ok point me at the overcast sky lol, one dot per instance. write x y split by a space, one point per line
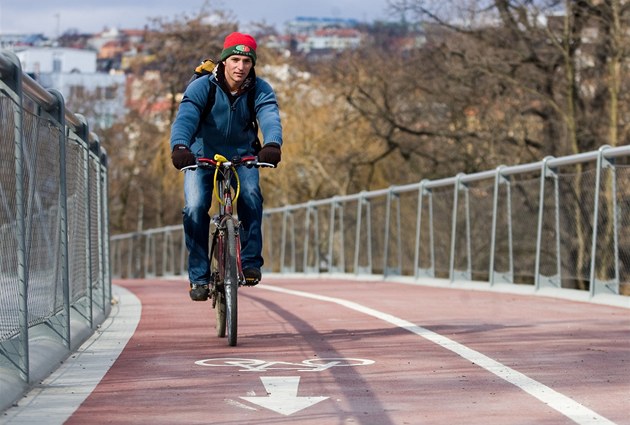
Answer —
52 16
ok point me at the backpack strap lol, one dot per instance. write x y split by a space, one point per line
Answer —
212 94
251 105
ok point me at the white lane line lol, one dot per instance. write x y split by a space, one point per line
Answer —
563 404
54 400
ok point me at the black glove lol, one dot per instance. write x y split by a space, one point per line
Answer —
270 154
182 157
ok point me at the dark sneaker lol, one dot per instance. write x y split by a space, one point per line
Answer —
199 292
252 276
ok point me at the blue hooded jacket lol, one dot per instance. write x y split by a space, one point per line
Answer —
226 130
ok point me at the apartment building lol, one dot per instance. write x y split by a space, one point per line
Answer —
99 96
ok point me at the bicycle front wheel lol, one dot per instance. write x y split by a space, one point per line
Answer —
231 282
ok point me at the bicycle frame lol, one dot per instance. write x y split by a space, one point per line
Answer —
224 190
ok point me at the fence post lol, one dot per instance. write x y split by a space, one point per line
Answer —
95 145
596 286
59 114
307 239
335 207
451 268
83 133
290 233
388 208
16 349
493 232
107 266
357 234
541 206
363 200
416 254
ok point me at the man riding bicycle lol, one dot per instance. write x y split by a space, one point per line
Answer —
227 130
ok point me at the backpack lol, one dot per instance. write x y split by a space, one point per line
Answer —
207 67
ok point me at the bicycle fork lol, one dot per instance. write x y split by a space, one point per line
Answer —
217 249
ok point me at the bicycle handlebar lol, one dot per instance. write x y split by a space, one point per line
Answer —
221 161
221 165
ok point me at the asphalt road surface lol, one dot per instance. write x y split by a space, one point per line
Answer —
333 351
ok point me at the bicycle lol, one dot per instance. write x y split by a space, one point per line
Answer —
225 252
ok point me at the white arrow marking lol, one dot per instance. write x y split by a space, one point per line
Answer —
282 395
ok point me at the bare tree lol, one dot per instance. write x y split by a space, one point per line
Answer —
561 58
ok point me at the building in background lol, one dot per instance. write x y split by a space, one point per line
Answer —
13 41
97 95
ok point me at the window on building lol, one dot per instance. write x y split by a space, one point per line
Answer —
77 92
110 92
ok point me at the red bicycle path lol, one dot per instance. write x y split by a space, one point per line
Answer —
392 353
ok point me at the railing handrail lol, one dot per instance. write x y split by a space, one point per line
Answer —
549 207
505 170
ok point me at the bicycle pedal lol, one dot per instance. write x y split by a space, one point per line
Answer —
251 282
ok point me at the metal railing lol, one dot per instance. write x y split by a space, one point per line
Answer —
55 285
560 223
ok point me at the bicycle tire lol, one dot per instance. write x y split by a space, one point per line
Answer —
220 312
218 302
230 282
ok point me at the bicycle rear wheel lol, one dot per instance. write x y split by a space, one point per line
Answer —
218 294
219 300
230 282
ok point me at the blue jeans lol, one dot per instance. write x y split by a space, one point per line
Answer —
198 186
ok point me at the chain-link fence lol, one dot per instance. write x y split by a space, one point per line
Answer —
55 287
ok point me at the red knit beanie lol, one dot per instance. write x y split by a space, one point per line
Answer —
239 44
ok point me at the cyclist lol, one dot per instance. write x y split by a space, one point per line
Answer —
226 130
